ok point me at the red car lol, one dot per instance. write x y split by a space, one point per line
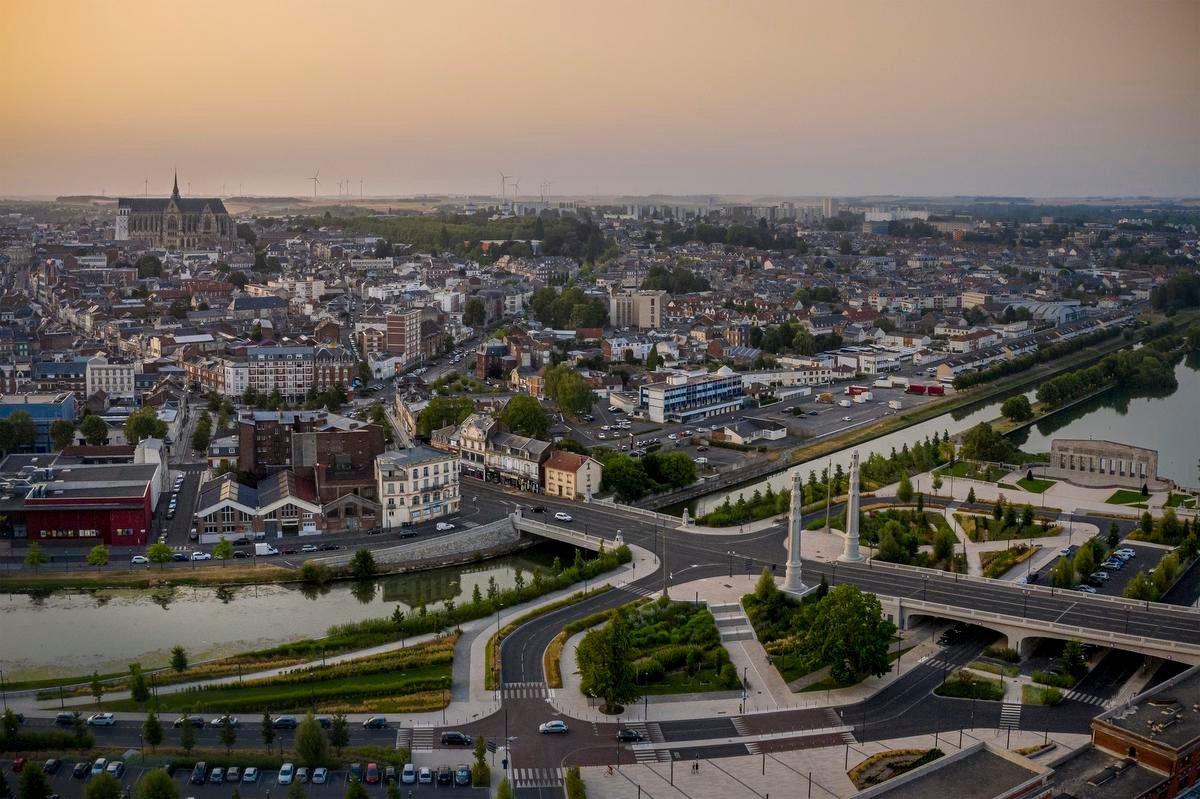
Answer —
18 765
372 773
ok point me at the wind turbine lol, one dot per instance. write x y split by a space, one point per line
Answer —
316 182
339 188
516 192
503 187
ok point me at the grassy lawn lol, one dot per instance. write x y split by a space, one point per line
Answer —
1180 501
679 650
994 668
1040 695
26 685
405 680
987 528
1124 496
965 685
1036 485
999 561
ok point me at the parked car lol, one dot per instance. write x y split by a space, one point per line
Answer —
98 765
1098 577
198 773
137 560
356 772
233 774
462 774
179 557
389 774
562 517
309 548
847 419
217 777
51 766
285 723
287 773
454 738
425 776
18 765
538 508
115 769
445 776
195 721
320 775
552 727
1125 553
198 555
240 554
302 775
250 775
80 771
66 719
408 775
220 720
372 774
101 720
444 526
1087 589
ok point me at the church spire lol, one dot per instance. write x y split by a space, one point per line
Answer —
175 191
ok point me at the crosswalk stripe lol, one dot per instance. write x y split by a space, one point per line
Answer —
1010 716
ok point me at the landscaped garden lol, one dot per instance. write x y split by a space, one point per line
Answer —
1035 485
997 562
1125 496
988 472
967 685
678 650
896 535
883 766
1005 524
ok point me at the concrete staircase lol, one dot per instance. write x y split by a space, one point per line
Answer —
731 621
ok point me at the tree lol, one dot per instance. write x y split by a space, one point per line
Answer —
98 556
152 730
904 491
156 784
97 687
504 791
1017 409
1063 574
1114 535
223 550
1147 524
1141 588
474 313
339 733
362 564
139 689
625 476
971 494
675 469
187 735
310 742
33 784
850 633
267 731
1085 562
568 390
525 416
605 665
356 790
442 412
159 553
179 659
144 424
148 266
62 433
1072 660
652 358
101 786
201 436
35 557
10 724
943 545
228 733
23 431
94 431
937 483
983 443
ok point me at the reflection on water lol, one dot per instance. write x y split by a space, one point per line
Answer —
1167 421
77 632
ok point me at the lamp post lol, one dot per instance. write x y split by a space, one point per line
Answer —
729 552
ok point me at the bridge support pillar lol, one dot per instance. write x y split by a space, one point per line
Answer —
793 581
851 554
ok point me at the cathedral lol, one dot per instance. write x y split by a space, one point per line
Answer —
175 223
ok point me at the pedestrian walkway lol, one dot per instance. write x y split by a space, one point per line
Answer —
422 739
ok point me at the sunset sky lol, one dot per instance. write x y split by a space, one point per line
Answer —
1046 98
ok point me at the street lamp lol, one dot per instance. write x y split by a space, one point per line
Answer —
729 552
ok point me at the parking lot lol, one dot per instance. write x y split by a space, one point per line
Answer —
65 785
1146 559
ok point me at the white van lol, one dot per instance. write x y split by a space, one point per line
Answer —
262 550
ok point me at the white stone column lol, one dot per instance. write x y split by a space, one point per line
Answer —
850 553
792 581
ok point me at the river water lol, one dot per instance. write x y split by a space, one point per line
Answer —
1170 424
69 633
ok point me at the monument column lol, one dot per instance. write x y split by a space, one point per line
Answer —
792 581
850 553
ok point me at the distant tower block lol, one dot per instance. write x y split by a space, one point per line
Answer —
792 581
851 554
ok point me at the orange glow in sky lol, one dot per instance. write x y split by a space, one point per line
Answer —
1047 98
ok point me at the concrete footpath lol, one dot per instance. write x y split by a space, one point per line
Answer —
789 774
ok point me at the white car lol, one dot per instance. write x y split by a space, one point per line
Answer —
250 774
409 775
99 766
562 517
701 461
552 727
672 436
102 720
425 775
310 548
286 772
198 555
1126 553
847 419
444 526
320 774
139 559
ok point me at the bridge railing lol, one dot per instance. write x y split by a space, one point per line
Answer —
665 518
1034 588
527 525
1037 626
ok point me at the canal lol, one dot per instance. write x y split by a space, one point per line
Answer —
69 633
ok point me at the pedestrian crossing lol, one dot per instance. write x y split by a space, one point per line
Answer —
1010 717
404 738
1087 699
642 590
653 733
538 777
525 690
422 739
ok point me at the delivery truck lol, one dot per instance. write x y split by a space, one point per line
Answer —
916 388
883 382
895 405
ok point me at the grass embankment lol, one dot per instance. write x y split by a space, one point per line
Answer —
1124 496
988 473
1035 485
552 659
412 679
994 668
965 685
491 678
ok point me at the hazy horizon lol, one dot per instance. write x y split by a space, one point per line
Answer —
1063 100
